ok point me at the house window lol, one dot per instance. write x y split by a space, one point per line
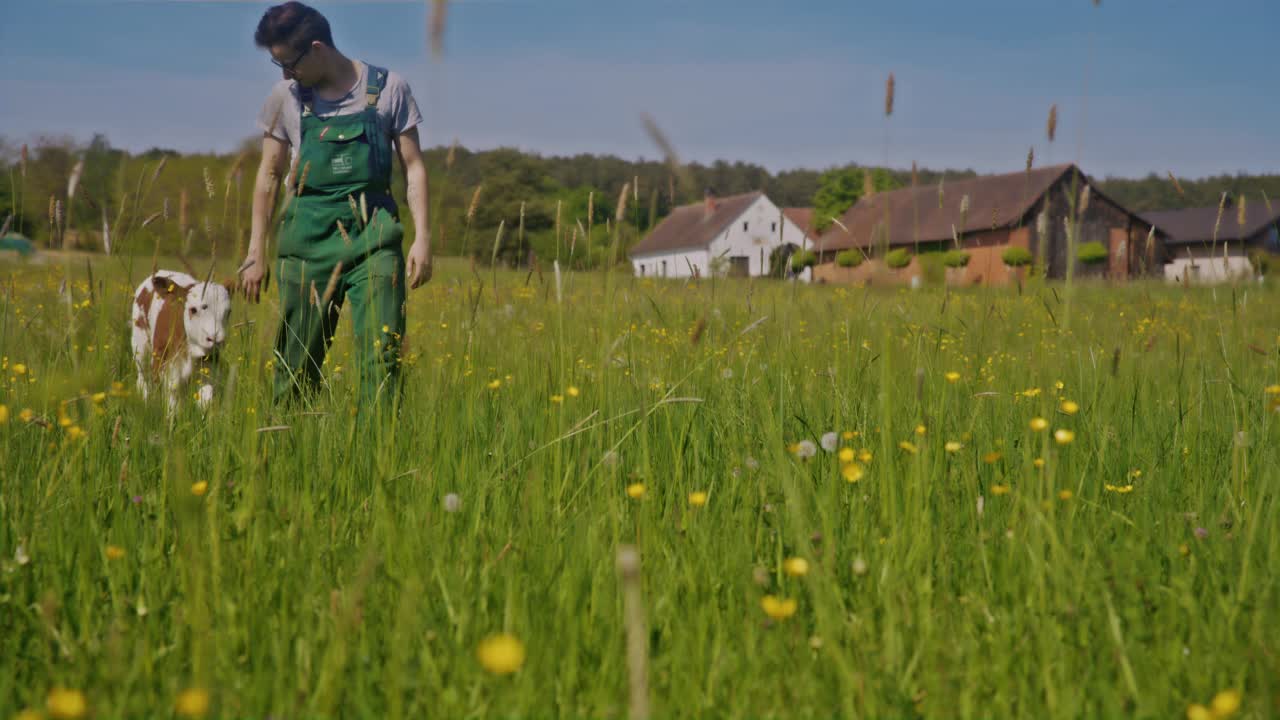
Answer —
739 266
744 226
773 227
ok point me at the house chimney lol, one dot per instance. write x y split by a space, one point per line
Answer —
708 203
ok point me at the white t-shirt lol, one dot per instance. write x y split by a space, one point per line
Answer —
281 115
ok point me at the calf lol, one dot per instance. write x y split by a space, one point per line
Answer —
179 324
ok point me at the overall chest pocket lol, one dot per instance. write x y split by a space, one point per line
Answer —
338 155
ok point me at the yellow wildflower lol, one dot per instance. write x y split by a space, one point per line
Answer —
1122 489
698 498
864 456
1198 712
114 552
852 472
1000 489
501 654
200 488
992 457
192 703
557 399
1273 389
75 432
952 377
921 430
67 704
953 446
1039 424
846 455
19 369
795 566
4 414
26 415
494 384
571 391
1065 494
778 608
1225 704
1063 436
1038 462
635 491
1070 407
908 447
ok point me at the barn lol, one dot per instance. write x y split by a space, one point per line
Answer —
743 235
983 217
1211 244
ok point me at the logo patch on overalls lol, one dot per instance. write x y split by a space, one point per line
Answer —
341 164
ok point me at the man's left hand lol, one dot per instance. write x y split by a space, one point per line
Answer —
418 263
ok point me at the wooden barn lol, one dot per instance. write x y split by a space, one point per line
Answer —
1208 245
984 217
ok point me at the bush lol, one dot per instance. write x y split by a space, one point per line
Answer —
849 258
801 259
1261 261
898 259
1092 252
955 258
1016 256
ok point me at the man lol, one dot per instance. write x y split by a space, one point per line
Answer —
339 235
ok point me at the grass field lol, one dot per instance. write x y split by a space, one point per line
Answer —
961 559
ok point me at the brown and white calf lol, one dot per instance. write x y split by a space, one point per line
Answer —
179 324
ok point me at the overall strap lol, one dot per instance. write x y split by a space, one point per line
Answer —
380 156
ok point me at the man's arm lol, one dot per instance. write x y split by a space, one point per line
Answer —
271 170
418 263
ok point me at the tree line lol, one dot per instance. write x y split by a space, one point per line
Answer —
501 205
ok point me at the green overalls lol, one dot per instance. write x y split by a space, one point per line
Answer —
340 238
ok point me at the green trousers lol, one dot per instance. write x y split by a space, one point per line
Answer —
311 297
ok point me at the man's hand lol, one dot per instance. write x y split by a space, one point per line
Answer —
251 272
418 263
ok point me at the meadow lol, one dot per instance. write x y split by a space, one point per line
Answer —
1051 501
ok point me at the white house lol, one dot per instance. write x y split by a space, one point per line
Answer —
730 236
1210 245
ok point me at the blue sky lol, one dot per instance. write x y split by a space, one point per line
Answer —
1141 85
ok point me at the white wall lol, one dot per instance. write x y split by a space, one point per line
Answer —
678 264
765 228
1206 267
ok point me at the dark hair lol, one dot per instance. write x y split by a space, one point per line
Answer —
292 24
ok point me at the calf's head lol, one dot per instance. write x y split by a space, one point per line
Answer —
205 308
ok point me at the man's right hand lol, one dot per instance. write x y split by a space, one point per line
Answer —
252 271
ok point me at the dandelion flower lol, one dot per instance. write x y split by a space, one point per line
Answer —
494 384
557 399
1000 489
114 552
805 449
953 446
795 566
1038 462
99 398
846 455
1198 712
852 472
571 391
1121 489
1039 424
864 456
848 434
67 704
192 703
952 377
200 488
27 415
501 654
75 432
908 447
1065 495
19 369
1063 436
921 429
1225 704
830 441
1184 549
635 491
778 608
452 503
29 714
698 498
4 414
1070 407
992 457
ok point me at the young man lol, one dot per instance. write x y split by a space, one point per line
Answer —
339 236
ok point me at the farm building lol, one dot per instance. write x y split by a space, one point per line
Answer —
1207 245
984 217
738 236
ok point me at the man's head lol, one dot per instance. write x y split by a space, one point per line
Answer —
299 40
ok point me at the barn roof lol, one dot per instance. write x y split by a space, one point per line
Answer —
1197 225
927 213
690 227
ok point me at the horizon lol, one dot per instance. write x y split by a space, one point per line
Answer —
785 88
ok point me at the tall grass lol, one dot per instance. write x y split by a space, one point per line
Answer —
306 562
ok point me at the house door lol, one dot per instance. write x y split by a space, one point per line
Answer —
739 266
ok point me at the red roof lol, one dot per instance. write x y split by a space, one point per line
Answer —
690 227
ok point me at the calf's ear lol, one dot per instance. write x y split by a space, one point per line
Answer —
164 284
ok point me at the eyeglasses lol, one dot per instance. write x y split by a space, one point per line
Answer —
289 66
